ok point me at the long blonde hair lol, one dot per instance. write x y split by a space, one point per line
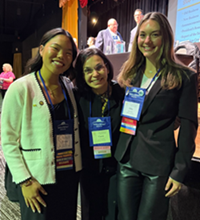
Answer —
171 69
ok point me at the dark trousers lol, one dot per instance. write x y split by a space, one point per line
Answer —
3 92
98 195
141 196
61 200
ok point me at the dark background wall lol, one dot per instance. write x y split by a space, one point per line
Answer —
48 17
5 53
122 11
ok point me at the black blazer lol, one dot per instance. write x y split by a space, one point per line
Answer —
83 104
153 150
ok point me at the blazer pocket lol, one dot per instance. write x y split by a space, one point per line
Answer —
32 154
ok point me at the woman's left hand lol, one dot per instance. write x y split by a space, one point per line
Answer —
174 187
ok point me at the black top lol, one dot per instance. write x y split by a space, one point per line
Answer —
83 104
153 149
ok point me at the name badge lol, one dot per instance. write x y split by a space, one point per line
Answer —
102 152
133 103
64 160
100 136
100 131
128 126
64 144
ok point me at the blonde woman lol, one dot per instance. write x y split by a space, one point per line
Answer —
6 78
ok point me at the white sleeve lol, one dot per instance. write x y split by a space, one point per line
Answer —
11 121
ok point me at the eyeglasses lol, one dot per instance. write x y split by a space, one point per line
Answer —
100 68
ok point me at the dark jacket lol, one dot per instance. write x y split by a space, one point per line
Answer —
104 39
83 104
153 150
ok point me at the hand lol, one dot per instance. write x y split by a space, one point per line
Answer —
32 197
175 187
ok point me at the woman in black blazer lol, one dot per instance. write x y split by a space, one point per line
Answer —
97 96
151 166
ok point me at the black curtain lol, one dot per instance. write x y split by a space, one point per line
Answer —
122 11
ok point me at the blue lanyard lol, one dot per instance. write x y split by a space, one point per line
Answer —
50 98
148 85
152 80
108 104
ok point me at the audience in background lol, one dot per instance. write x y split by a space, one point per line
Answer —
6 78
138 15
76 42
107 40
91 42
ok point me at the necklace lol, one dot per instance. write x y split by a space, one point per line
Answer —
51 91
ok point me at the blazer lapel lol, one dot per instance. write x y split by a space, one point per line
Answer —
109 35
149 98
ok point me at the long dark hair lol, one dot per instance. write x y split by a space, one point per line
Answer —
35 63
82 57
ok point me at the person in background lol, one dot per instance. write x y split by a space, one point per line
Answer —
6 78
76 43
91 42
106 39
40 138
138 15
158 89
99 102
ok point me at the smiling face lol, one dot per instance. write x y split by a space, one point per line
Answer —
96 74
56 55
150 40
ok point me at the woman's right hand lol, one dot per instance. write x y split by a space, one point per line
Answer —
32 196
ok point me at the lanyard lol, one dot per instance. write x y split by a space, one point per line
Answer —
152 80
50 98
104 105
148 85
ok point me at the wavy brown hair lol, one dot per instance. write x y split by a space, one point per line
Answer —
171 68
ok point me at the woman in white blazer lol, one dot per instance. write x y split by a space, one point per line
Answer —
40 138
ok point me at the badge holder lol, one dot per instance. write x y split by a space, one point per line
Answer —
100 135
131 110
132 107
64 136
64 144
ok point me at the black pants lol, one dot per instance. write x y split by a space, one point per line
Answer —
61 199
3 92
141 196
98 195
